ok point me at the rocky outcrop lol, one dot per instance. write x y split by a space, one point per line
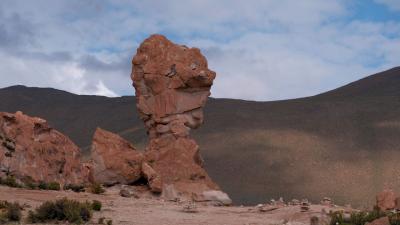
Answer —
386 200
380 221
172 85
32 151
114 160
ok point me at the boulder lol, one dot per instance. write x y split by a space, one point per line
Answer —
169 193
32 151
380 221
128 192
172 84
153 178
114 160
386 200
217 196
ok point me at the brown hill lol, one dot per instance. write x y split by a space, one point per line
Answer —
343 144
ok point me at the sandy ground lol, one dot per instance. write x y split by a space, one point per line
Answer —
150 210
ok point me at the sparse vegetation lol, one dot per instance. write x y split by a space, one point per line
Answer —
96 205
54 186
97 189
109 222
10 181
363 217
10 212
62 210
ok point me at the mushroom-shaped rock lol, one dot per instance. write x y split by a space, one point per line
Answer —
172 84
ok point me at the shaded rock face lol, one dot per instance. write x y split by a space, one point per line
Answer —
114 160
172 84
31 151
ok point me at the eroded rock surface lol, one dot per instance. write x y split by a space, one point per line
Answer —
386 200
172 85
114 160
32 151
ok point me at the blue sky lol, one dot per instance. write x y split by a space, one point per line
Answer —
261 49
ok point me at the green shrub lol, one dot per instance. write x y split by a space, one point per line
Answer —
31 185
75 187
53 186
62 210
43 186
96 205
97 189
10 181
336 218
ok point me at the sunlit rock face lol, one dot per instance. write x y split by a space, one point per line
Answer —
32 151
172 85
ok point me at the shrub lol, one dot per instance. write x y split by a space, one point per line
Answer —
10 181
97 189
13 212
109 222
31 185
336 218
101 220
53 186
10 212
96 205
43 186
74 187
63 210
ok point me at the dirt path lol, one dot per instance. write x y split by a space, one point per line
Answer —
149 210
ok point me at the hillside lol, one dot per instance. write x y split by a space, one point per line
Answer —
343 143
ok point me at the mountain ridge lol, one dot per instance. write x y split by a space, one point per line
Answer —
342 143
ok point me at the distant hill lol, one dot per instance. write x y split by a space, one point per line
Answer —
343 143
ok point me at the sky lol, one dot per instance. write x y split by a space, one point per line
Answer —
261 50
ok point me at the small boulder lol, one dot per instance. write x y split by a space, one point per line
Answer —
217 196
380 221
153 178
386 200
128 193
169 193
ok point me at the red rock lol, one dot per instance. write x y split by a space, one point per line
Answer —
380 221
114 160
32 151
154 179
386 200
172 84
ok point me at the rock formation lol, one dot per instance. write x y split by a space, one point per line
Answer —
172 85
31 151
386 200
114 160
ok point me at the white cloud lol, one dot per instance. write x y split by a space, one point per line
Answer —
263 50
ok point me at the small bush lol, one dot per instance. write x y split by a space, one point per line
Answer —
43 186
97 189
63 210
74 187
109 222
10 212
13 212
10 181
96 205
53 186
31 185
101 220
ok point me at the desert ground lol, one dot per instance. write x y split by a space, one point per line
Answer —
153 210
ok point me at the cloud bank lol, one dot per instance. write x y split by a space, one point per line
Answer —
261 50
